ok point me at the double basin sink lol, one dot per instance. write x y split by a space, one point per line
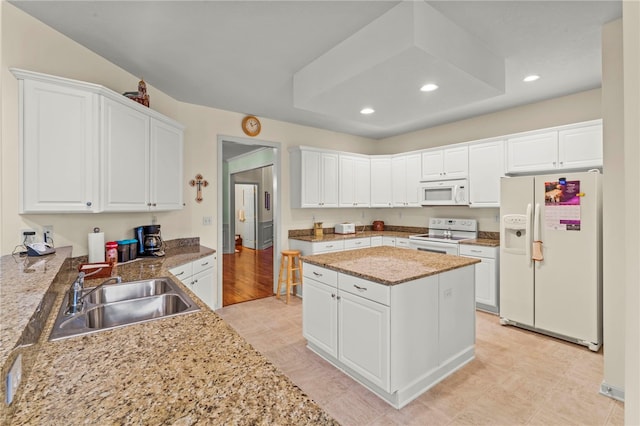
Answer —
118 305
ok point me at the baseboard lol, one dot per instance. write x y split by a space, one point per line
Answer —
612 391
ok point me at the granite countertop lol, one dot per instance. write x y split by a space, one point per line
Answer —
361 234
185 369
486 242
389 265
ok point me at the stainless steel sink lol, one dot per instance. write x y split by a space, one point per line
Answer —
146 308
128 291
118 305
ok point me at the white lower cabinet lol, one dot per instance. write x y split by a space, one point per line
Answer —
487 276
200 277
398 340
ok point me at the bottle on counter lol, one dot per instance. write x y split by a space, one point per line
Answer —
111 251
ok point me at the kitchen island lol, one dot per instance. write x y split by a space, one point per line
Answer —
186 369
398 321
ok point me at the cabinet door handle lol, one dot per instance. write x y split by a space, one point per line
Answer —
476 251
148 204
204 264
317 274
331 246
360 288
195 281
88 203
333 295
154 204
338 297
181 273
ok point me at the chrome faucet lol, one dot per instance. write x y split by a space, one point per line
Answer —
75 299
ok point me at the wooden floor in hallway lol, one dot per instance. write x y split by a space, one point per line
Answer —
517 378
247 275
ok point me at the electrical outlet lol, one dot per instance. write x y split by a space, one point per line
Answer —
14 377
47 233
207 220
27 236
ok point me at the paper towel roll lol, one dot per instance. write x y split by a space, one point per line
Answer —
96 247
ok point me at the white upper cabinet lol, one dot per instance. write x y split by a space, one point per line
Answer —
58 149
381 185
532 152
166 166
571 147
85 148
486 167
314 178
445 163
580 148
125 137
405 179
355 181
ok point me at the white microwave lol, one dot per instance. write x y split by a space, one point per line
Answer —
445 193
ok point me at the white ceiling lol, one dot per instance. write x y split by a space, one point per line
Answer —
243 55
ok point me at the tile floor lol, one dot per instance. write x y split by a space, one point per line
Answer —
517 378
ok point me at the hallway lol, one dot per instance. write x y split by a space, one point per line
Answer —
247 275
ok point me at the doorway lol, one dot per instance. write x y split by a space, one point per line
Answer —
248 218
246 214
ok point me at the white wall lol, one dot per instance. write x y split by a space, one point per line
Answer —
581 106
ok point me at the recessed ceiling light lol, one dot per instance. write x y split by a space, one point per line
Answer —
530 78
367 111
429 87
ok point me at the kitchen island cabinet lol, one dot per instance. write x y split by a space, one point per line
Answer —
397 321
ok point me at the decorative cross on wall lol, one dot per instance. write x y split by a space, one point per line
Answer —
199 182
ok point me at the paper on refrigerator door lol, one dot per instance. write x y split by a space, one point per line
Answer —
562 205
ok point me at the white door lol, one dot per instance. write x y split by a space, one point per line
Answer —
203 285
166 166
567 281
581 147
432 162
246 217
532 153
363 338
381 182
486 167
125 139
59 151
516 266
456 162
320 316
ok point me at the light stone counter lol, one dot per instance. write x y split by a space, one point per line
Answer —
185 369
486 242
389 265
359 234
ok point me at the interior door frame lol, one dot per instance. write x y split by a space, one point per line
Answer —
277 202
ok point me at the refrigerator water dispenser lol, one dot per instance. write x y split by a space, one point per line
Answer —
514 233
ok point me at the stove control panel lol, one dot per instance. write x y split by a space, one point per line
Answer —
454 224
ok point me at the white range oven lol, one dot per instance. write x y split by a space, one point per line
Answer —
444 235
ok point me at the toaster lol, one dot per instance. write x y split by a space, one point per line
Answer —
345 228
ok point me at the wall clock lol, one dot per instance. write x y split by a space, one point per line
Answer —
251 125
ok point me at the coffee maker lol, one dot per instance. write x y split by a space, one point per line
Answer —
149 240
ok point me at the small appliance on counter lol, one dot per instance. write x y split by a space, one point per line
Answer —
345 228
378 225
149 240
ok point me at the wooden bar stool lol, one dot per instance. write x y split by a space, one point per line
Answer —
289 265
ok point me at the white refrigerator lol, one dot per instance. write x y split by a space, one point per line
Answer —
550 255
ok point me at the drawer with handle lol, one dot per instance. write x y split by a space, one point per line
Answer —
328 246
204 263
478 251
183 271
373 291
320 274
357 243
